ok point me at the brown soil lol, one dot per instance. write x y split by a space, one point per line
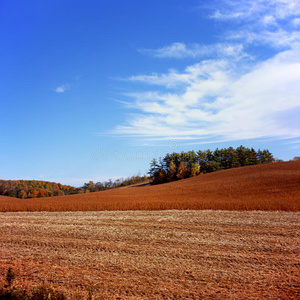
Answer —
263 187
155 255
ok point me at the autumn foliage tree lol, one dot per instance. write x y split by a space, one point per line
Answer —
195 170
37 189
172 171
34 189
182 171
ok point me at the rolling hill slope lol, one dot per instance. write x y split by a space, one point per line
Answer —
261 187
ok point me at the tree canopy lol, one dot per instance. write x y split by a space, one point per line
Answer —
176 166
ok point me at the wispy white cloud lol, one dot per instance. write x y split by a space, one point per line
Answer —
228 16
265 21
296 22
176 50
219 102
278 38
227 96
63 88
269 20
181 50
246 10
171 79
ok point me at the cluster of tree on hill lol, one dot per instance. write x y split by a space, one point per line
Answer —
182 165
36 189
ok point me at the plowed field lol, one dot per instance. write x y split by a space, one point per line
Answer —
155 255
261 187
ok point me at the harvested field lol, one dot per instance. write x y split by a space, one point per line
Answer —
262 187
155 255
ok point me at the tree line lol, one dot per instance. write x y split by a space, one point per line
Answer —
176 166
35 189
110 184
24 189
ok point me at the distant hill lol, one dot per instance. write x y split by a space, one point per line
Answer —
24 189
261 187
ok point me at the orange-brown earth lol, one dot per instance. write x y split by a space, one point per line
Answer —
155 254
170 254
262 187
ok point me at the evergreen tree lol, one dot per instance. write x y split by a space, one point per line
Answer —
154 168
253 157
201 155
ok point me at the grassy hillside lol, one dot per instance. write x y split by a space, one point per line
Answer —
260 187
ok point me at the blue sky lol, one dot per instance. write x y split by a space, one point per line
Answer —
91 90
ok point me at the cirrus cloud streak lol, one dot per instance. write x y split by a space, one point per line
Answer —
228 94
218 102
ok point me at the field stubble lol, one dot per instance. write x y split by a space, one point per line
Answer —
155 254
